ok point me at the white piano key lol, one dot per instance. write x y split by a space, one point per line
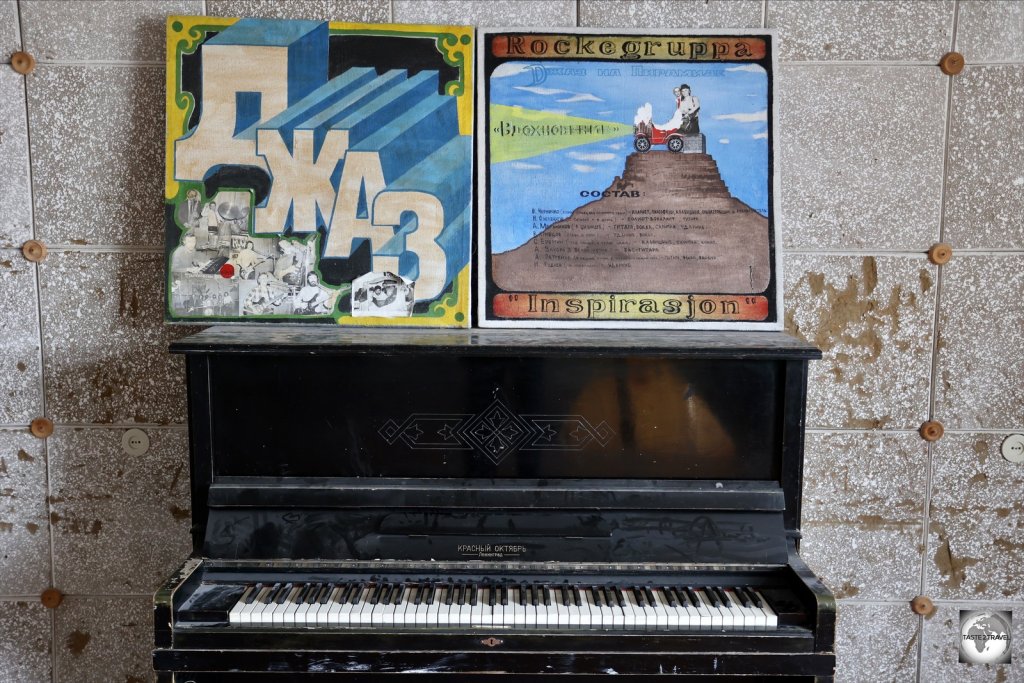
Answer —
575 615
632 611
337 612
745 618
760 621
594 618
771 619
480 614
290 605
518 609
672 615
709 605
263 611
559 600
234 616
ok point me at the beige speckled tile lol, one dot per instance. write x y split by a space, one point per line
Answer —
120 522
975 541
15 194
940 653
334 10
853 143
98 154
863 30
872 317
20 394
487 13
876 643
104 640
10 39
980 378
25 632
100 30
104 340
990 31
672 13
24 536
985 191
863 513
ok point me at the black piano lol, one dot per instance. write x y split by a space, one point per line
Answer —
544 505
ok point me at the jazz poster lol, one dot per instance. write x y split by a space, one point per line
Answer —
318 172
628 180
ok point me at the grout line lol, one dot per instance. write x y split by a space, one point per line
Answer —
42 363
934 374
41 356
764 16
106 248
978 430
902 252
576 13
391 11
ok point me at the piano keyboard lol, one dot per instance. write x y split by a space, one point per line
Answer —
526 606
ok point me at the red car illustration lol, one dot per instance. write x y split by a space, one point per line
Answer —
646 134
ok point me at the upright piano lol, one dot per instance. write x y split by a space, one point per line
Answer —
540 505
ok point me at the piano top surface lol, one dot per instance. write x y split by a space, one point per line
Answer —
330 339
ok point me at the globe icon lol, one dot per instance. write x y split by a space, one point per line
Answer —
984 638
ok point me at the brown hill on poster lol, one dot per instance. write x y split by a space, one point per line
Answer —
668 225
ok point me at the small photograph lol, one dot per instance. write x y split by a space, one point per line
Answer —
199 295
265 296
382 294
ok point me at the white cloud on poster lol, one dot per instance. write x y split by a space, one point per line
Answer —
582 97
752 68
583 168
723 141
744 117
537 90
591 156
763 135
523 166
509 69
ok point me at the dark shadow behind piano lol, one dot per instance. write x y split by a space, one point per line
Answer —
454 503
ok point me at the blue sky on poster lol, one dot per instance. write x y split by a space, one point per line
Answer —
733 117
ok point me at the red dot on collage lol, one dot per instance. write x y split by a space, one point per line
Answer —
227 270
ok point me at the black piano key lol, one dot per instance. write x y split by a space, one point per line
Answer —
522 594
448 593
504 596
546 594
577 599
670 597
692 596
649 594
474 595
641 599
598 596
325 593
609 597
564 590
417 594
386 593
491 595
744 600
712 597
285 593
357 594
344 595
251 595
300 597
312 594
371 597
754 599
723 597
431 589
399 592
619 596
272 594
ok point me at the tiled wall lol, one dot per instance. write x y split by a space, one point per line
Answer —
881 156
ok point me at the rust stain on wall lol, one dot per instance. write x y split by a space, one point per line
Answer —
77 641
24 456
952 568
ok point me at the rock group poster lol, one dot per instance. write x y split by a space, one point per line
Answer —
318 172
627 180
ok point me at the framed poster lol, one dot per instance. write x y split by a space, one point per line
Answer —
318 172
627 180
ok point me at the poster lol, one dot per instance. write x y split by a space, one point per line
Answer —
627 180
318 172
